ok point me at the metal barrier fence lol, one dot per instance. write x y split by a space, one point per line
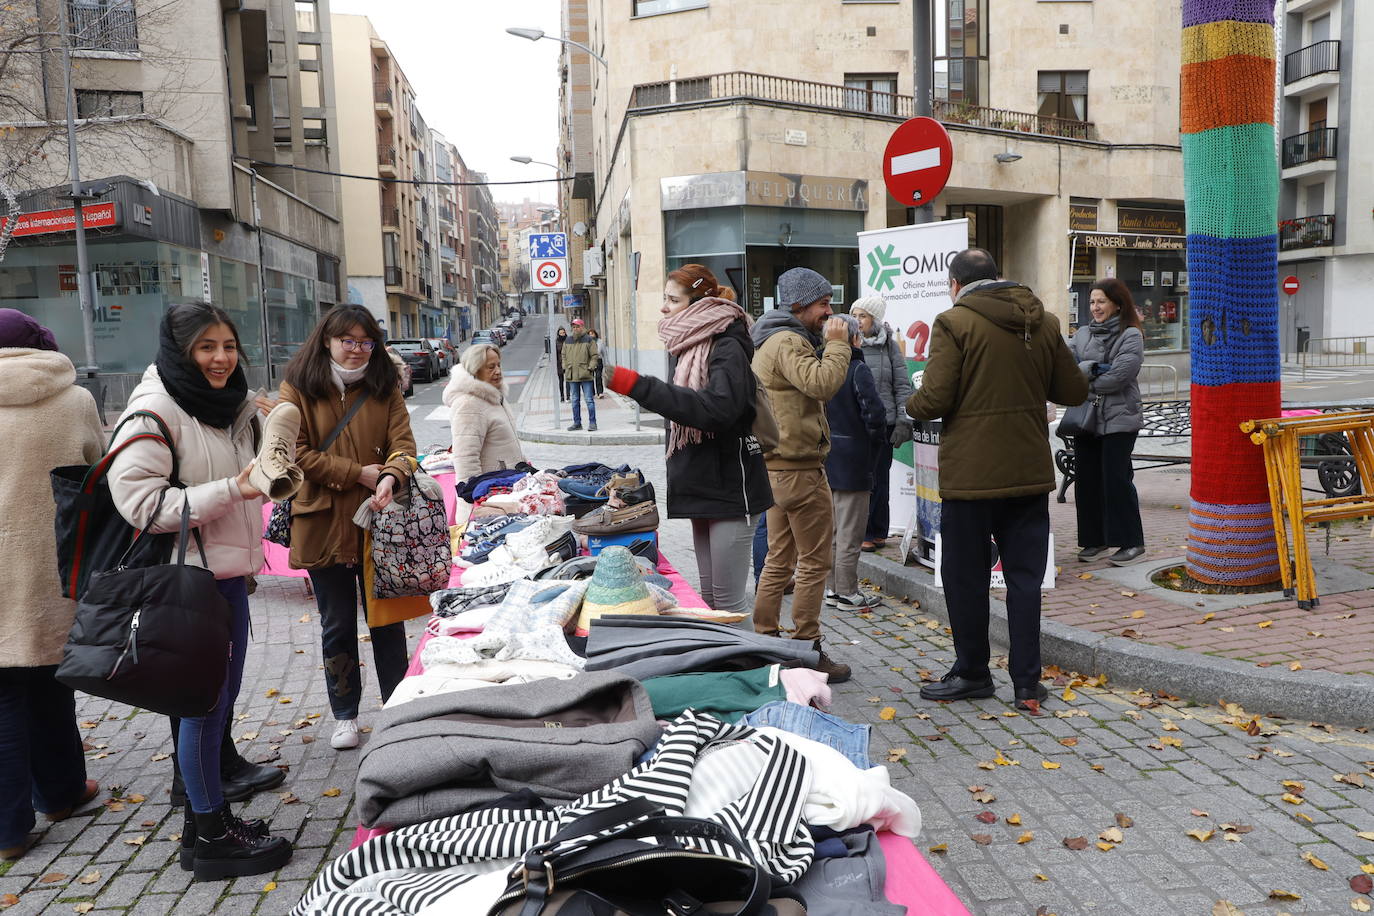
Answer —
1158 382
1329 352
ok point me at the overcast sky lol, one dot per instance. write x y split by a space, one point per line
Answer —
490 94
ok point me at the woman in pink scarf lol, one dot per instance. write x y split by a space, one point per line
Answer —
716 475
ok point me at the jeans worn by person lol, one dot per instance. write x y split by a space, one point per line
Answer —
336 596
42 765
199 737
579 391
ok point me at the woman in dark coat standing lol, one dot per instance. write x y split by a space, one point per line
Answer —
858 431
716 475
558 363
1109 353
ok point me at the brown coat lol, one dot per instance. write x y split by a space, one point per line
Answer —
322 529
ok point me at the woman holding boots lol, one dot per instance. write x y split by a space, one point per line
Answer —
342 379
198 387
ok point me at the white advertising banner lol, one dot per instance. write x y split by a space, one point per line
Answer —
909 267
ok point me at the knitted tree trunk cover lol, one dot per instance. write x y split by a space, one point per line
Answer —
1230 181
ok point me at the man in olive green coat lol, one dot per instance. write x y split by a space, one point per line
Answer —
581 362
995 359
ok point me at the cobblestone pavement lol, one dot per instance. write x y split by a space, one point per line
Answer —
1168 768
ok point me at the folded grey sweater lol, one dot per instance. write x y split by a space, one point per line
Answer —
441 755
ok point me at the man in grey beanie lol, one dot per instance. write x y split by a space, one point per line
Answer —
800 371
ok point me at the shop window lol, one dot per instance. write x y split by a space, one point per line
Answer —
103 25
1063 94
876 92
984 226
96 103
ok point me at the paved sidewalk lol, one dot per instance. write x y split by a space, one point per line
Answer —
544 419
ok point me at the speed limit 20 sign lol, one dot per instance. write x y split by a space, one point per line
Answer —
549 275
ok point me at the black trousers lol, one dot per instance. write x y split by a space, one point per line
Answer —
1104 491
879 512
1021 527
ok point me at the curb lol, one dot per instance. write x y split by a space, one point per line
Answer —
1317 696
563 437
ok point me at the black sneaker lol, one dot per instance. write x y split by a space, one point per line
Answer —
1088 554
592 428
575 426
838 673
239 784
1126 556
227 848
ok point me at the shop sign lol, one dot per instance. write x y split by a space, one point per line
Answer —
762 189
1157 222
1082 217
46 222
1126 241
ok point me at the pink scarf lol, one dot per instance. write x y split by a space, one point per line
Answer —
687 335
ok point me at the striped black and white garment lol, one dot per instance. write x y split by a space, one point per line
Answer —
767 819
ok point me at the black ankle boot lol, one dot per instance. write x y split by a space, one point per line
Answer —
226 847
256 826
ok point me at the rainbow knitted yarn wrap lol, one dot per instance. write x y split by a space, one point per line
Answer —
1231 185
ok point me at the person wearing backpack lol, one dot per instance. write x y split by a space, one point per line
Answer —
346 388
198 387
46 421
716 475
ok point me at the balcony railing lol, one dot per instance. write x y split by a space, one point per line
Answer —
1307 232
381 93
450 291
447 254
114 28
393 276
391 216
386 155
1321 57
830 97
1309 147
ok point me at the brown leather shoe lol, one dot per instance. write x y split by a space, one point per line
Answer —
629 520
839 673
15 853
89 792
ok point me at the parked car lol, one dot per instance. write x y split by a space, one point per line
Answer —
421 356
402 367
510 328
445 353
485 337
516 317
500 334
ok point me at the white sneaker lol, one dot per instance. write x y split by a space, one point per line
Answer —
345 735
859 601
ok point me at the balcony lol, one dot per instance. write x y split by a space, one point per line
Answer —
114 28
447 215
386 161
450 291
391 217
393 277
1307 232
1310 147
447 254
1321 57
381 95
829 97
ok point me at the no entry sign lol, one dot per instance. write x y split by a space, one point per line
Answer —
917 161
1290 284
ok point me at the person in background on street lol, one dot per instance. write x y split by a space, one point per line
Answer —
198 387
562 338
597 378
46 422
1109 352
883 353
996 357
858 430
800 371
338 364
483 428
581 361
716 475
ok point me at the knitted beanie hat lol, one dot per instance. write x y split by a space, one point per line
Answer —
802 286
875 306
617 587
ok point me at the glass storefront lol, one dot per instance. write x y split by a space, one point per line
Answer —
1158 282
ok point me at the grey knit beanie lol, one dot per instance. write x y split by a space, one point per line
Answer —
802 286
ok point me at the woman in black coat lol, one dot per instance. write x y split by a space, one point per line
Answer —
716 475
558 363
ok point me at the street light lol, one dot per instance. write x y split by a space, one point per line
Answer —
526 160
536 34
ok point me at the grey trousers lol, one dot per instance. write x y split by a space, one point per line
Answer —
723 556
851 518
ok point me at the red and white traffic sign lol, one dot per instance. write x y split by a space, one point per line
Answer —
917 161
549 275
1290 284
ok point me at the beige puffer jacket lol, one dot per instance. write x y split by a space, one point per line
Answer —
484 437
210 459
45 422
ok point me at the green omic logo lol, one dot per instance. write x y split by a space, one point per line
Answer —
886 266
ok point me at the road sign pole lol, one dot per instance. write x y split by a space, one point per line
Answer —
922 85
553 364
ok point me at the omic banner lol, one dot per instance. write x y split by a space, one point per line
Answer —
909 267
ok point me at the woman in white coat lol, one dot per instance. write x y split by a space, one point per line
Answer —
198 387
483 427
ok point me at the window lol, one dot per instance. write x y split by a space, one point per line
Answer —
654 7
961 51
1063 94
876 92
984 226
95 103
314 131
307 17
103 25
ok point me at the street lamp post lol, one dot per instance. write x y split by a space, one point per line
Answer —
536 34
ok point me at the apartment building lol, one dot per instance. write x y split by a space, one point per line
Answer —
1326 234
518 220
576 198
453 283
483 232
389 224
764 151
191 118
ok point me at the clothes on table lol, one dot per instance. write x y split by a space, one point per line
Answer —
850 884
452 678
528 624
449 602
807 686
437 756
848 738
645 647
726 695
765 818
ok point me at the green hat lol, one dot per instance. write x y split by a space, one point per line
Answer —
617 587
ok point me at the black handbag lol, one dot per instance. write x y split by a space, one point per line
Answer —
596 864
278 529
155 637
1079 420
91 534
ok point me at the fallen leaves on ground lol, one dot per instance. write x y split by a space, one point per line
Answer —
1237 828
137 840
289 798
887 714
986 817
53 877
939 848
89 878
985 798
1104 846
1277 894
1226 908
1351 779
982 839
1124 822
1112 835
269 887
1014 820
1362 884
1069 696
1201 836
896 754
8 900
1198 812
1069 742
1265 624
1292 799
1168 725
331 792
271 692
1049 764
1316 863
86 907
1076 843
1040 877
1360 905
1366 834
1025 838
1170 741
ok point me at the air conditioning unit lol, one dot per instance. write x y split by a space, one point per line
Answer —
593 265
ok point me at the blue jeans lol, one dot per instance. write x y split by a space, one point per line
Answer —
846 737
199 738
42 765
336 595
760 547
586 390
